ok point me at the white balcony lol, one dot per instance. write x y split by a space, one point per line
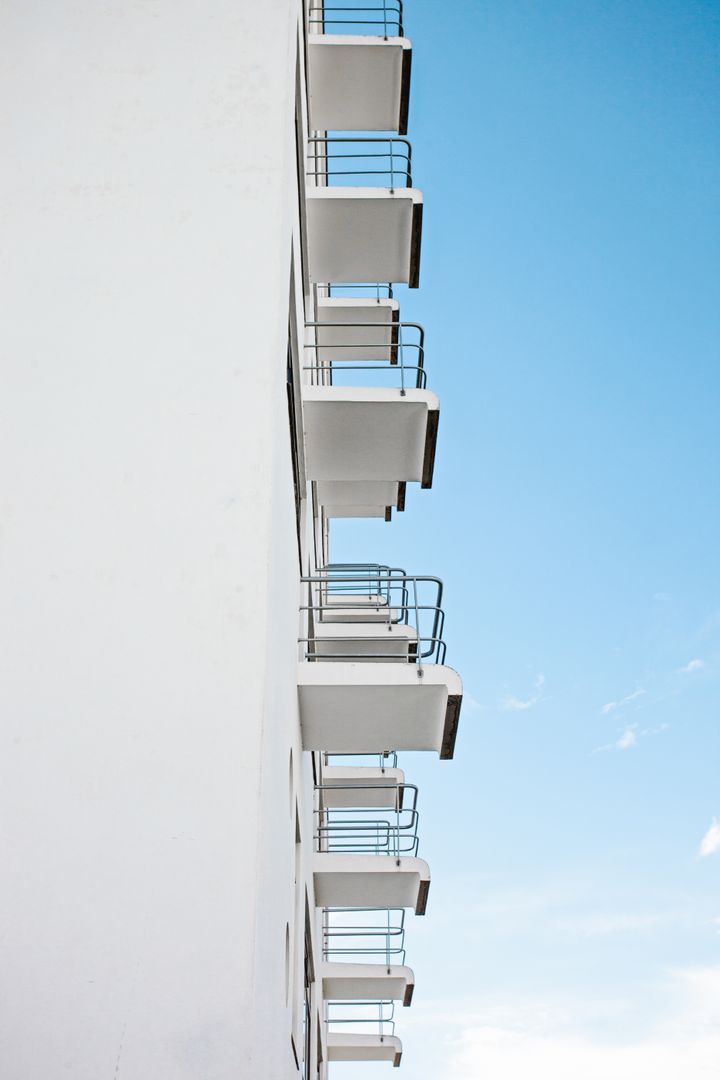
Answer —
365 708
361 499
345 1047
371 881
364 982
364 234
370 434
367 328
358 83
349 786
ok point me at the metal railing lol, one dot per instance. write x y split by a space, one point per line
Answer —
384 598
376 827
365 933
393 351
357 1016
373 290
372 17
338 161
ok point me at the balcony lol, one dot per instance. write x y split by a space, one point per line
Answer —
358 232
362 1031
358 67
366 854
370 422
364 955
372 677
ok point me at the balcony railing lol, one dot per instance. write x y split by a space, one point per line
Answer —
362 290
362 1017
364 934
385 597
378 17
371 827
360 162
349 362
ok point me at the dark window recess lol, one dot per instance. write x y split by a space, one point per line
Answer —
292 416
307 1014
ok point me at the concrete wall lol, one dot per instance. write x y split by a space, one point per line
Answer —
148 555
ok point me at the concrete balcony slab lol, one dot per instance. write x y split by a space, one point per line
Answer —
365 982
371 881
366 708
342 1047
358 83
369 434
364 234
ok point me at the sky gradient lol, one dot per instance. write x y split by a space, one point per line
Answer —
568 155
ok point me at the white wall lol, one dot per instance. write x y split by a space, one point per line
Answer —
148 558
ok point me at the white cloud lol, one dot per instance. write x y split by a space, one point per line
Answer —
693 665
611 706
710 843
548 1043
513 704
626 740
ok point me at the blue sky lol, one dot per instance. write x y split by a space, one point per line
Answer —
568 153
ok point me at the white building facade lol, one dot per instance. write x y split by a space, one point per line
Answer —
209 845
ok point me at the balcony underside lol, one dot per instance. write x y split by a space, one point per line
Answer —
371 881
345 641
369 708
358 499
358 83
364 234
365 982
369 434
364 1048
357 329
357 786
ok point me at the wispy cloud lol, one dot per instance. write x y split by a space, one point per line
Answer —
710 843
513 704
611 706
693 665
627 739
630 737
471 703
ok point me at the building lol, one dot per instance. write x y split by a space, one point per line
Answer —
213 850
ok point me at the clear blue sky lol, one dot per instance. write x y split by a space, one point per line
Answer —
568 154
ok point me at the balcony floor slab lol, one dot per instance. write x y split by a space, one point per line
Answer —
371 881
364 234
369 434
358 83
342 1047
368 708
366 982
